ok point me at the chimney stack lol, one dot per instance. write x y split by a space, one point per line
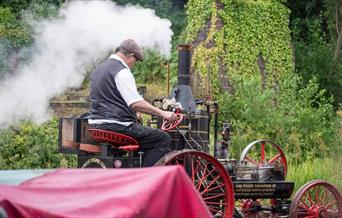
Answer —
182 92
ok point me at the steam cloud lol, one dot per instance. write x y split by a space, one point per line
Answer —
66 47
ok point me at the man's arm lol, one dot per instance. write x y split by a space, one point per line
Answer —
145 107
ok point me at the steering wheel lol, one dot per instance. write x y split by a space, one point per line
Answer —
167 125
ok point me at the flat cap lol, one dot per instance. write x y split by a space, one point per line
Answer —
132 47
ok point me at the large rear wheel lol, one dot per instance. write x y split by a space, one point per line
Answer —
209 178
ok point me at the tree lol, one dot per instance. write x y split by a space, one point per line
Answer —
335 7
316 27
18 5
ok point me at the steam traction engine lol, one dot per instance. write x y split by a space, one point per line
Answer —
252 186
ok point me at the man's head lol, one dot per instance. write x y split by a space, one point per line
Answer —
131 52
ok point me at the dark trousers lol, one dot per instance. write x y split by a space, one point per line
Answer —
153 142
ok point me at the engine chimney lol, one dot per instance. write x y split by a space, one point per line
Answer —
182 92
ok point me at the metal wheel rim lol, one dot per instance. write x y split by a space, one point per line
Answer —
221 203
315 199
280 156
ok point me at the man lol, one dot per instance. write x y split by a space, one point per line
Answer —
115 101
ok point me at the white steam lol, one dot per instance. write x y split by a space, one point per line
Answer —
65 47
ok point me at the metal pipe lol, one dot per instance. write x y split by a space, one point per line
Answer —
184 62
215 130
168 78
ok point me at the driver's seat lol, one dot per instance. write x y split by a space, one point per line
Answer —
114 139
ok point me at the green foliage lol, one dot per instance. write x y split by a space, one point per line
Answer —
14 31
277 105
198 13
302 121
249 28
30 146
6 15
315 55
163 9
154 67
17 6
41 9
315 61
13 35
151 69
326 168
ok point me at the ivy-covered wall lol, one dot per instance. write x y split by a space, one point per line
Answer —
242 57
240 38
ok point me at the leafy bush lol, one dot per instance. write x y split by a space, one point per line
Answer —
13 35
16 33
151 69
29 146
302 121
18 6
13 30
315 58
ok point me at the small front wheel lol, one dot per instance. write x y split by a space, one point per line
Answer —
316 199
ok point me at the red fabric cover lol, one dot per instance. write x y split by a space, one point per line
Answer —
146 192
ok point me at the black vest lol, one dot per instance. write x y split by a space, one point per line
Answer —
105 99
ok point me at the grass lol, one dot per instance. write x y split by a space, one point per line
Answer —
329 169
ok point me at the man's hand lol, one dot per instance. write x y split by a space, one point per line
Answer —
139 118
170 116
145 107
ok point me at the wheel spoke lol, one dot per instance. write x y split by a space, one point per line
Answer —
216 210
329 214
308 197
168 125
262 150
317 190
206 176
306 207
184 162
210 184
330 204
274 158
324 197
302 212
216 203
194 170
201 179
212 177
213 188
176 160
251 160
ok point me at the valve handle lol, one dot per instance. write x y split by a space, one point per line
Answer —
167 125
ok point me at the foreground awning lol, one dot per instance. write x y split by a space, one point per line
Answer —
146 192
